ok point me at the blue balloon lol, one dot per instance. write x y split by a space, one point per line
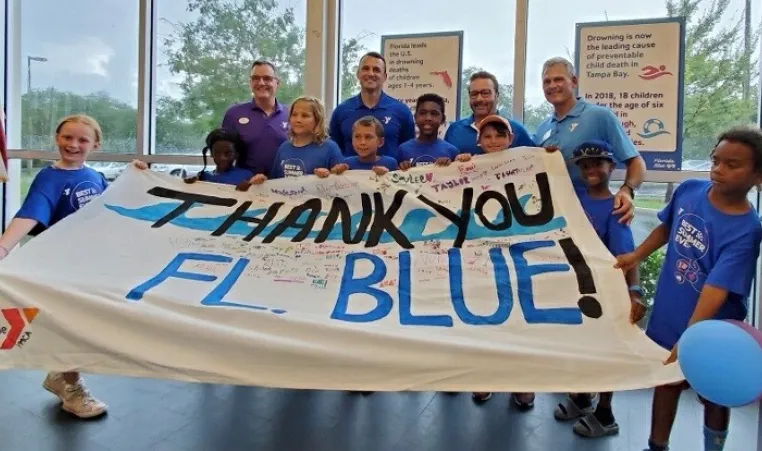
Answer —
722 362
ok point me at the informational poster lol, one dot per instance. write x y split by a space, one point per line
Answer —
425 63
636 69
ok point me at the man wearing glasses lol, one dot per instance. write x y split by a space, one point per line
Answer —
483 93
261 122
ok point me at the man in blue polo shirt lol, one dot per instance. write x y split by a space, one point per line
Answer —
394 115
575 121
483 93
262 122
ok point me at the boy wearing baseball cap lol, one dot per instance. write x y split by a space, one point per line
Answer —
495 134
595 160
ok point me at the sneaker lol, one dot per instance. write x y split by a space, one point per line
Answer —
78 401
55 383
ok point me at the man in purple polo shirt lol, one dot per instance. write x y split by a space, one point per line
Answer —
262 122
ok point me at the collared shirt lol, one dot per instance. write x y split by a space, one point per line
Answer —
262 134
463 135
394 115
584 122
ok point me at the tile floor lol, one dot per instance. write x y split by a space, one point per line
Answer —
155 415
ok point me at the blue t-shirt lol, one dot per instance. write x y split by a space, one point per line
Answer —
56 193
463 135
293 161
705 246
584 122
395 116
425 153
615 236
232 176
387 162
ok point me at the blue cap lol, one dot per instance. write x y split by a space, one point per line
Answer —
593 149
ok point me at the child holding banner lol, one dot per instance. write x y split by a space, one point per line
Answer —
227 148
713 236
427 148
494 135
56 192
308 149
367 137
596 162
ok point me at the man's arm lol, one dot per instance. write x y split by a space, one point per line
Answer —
334 130
634 176
408 126
228 123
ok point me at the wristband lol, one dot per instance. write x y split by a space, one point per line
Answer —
632 190
636 289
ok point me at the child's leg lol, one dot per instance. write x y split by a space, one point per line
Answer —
663 412
603 411
601 422
716 422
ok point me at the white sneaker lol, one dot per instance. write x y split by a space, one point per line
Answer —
55 383
78 401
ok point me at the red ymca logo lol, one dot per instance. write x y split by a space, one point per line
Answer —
17 319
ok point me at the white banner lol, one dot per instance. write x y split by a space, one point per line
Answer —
482 276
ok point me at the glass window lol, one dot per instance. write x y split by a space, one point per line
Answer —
181 170
721 75
79 57
204 62
488 35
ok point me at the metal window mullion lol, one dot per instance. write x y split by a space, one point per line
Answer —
332 51
145 78
314 55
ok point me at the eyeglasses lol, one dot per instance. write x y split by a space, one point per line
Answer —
264 78
486 93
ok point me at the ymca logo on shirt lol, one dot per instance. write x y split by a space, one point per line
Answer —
387 119
691 241
82 194
424 160
293 167
573 126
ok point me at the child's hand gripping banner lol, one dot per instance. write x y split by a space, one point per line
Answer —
483 276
